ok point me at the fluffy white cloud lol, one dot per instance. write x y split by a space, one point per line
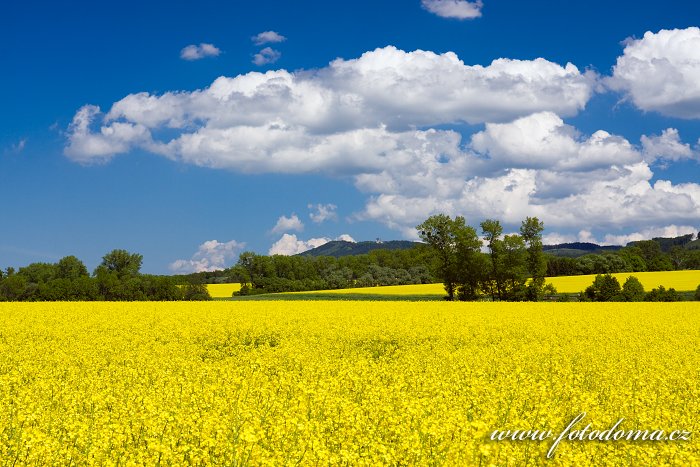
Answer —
534 166
86 146
555 238
371 119
210 256
289 244
268 37
661 72
667 147
460 9
197 52
325 119
286 224
266 56
322 212
543 141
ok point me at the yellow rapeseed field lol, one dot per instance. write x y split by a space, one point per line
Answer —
222 290
344 383
679 280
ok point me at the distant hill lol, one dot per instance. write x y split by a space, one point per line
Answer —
667 243
576 249
338 248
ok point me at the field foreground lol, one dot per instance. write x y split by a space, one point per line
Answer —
358 383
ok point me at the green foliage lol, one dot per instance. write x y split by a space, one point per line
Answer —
605 288
439 232
661 294
531 232
70 268
456 246
37 273
122 263
13 288
633 290
195 292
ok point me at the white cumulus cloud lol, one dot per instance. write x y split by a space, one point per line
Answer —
197 52
667 147
379 120
309 121
286 224
266 56
267 37
661 72
322 212
459 9
289 244
211 255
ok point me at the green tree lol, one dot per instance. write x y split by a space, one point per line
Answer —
70 268
438 232
661 294
633 290
513 268
122 263
531 232
195 292
37 273
471 263
491 230
13 287
653 256
678 257
605 288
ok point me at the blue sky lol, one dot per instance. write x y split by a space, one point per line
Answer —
191 173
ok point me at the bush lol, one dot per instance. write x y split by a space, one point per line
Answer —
195 292
663 295
605 288
697 293
633 290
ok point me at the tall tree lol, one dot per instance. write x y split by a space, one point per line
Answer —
531 230
491 230
70 268
438 231
123 263
470 262
513 268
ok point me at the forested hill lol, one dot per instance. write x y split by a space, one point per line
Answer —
339 248
576 249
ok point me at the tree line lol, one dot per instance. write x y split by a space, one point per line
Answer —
117 278
515 265
606 288
640 256
502 273
260 274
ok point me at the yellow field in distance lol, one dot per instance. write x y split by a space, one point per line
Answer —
222 290
679 280
344 383
682 281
